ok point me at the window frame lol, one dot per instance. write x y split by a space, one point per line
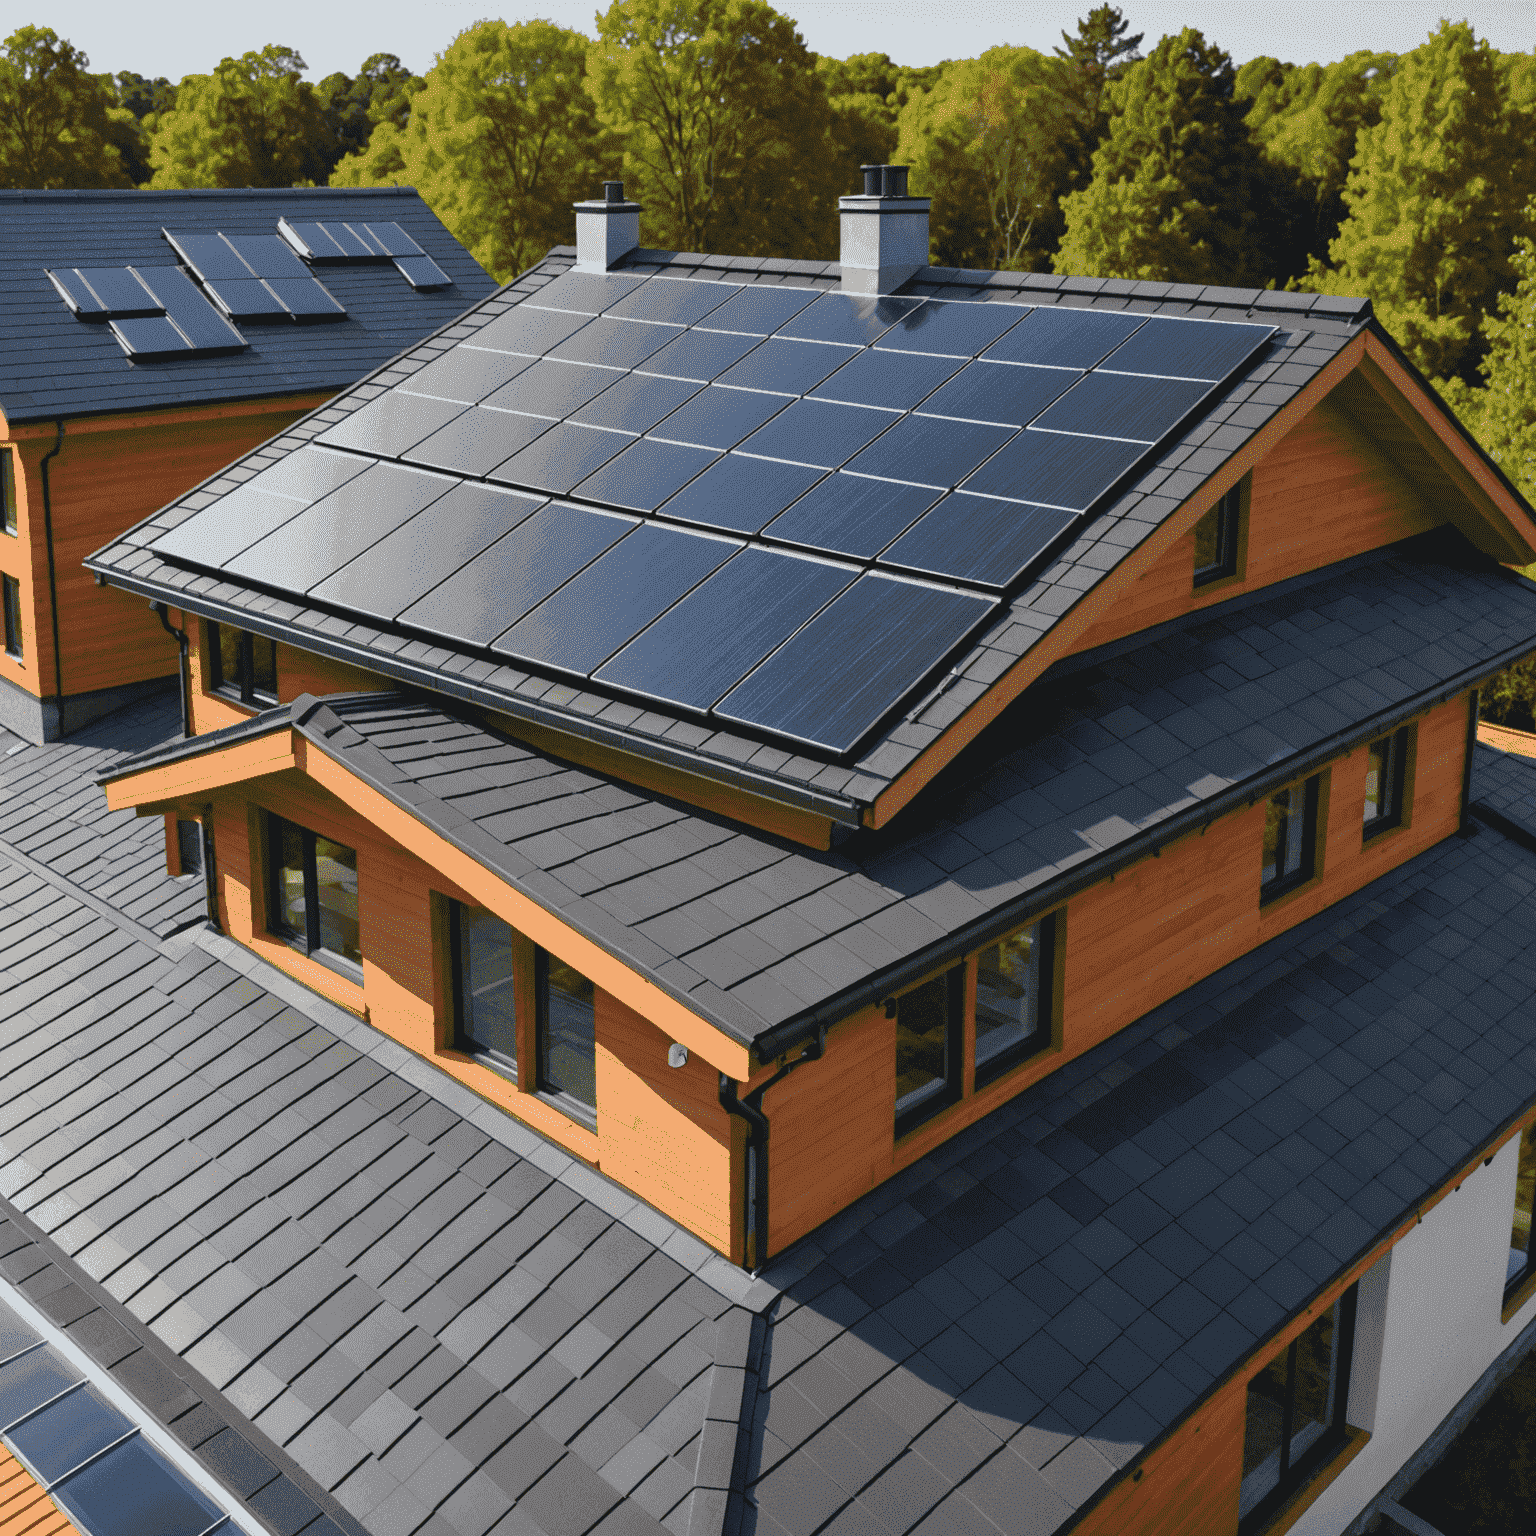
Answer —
1231 525
953 1076
1294 1476
10 513
1043 1037
463 1039
1518 1286
1289 880
242 688
306 943
567 1103
1399 747
10 601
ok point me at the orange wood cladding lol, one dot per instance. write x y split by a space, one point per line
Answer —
1506 740
1322 494
25 1510
109 473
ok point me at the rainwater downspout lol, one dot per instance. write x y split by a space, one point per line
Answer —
53 580
162 612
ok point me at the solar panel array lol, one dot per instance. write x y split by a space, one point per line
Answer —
777 507
255 277
155 312
334 244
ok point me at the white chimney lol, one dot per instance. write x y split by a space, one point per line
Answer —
606 231
884 232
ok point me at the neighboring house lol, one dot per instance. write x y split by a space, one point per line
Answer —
956 788
142 353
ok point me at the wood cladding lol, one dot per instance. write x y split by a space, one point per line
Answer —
25 1510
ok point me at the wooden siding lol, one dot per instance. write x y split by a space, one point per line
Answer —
1322 494
25 1510
1507 740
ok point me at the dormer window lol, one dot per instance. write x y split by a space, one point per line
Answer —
1217 538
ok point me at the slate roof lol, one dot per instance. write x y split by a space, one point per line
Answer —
53 365
1112 754
1317 328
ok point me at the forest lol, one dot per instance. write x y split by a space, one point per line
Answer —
1409 178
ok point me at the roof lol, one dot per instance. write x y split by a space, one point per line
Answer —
961 663
1111 755
53 365
986 1339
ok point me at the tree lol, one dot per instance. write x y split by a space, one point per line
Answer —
860 94
57 122
500 138
1098 54
1176 181
142 101
252 123
1436 197
725 126
355 105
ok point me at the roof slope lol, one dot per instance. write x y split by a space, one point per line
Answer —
54 365
985 1340
1112 754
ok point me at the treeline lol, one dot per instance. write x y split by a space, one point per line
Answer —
1408 178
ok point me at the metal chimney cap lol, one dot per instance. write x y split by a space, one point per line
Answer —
885 180
613 191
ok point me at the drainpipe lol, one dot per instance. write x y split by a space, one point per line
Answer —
750 1109
1467 827
184 670
53 581
210 868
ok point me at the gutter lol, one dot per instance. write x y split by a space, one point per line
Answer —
53 581
162 612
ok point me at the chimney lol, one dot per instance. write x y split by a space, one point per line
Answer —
606 230
884 232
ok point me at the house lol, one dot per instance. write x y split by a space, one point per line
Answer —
959 791
151 338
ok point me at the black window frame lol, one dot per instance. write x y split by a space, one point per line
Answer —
1294 1475
1522 1276
1045 999
306 943
244 686
10 601
1228 515
567 1103
463 1039
1398 746
9 514
953 1077
1289 880
189 843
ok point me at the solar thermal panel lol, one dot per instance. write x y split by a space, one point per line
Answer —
150 338
314 241
850 515
219 532
635 403
422 272
645 474
268 256
1124 405
740 495
831 682
695 652
1190 349
718 417
578 627
551 388
305 298
1005 393
678 301
391 240
847 318
785 367
561 458
1056 470
895 380
76 292
618 343
959 328
819 432
929 451
491 592
466 374
527 330
978 539
204 327
1065 338
102 293
587 293
246 299
211 256
699 355
389 424
405 565
476 442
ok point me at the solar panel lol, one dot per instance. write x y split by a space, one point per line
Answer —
67 1432
223 528
527 330
103 293
1065 338
246 299
133 1491
305 298
391 240
718 417
390 424
833 680
758 310
476 442
960 328
740 495
819 432
269 256
550 388
853 320
323 537
785 367
210 256
618 343
1124 405
895 380
1005 393
561 458
588 293
928 451
1190 349
1056 470
677 301
979 539
321 242
422 272
636 403
29 1382
201 326
147 340
76 293
695 652
405 565
465 374
490 593
309 473
849 515
578 627
645 474
699 355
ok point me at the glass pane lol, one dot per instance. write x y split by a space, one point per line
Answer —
486 982
133 1491
1277 821
8 488
1007 995
336 893
1208 541
228 657
1314 1384
288 878
1525 1193
264 666
1264 1422
568 1047
12 598
922 1038
189 846
1377 776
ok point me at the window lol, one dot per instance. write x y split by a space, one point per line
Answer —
1290 838
1216 538
313 894
1013 999
486 996
1385 764
10 597
244 665
189 846
8 489
567 1038
928 1042
1520 1269
1295 1412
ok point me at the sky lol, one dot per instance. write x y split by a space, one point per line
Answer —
180 37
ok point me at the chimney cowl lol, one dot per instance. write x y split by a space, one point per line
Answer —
884 232
607 229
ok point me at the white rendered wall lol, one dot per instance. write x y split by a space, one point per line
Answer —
1431 1309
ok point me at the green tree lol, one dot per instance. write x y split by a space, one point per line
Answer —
252 123
726 130
500 138
1099 54
861 95
1436 196
354 105
1177 183
58 123
142 101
